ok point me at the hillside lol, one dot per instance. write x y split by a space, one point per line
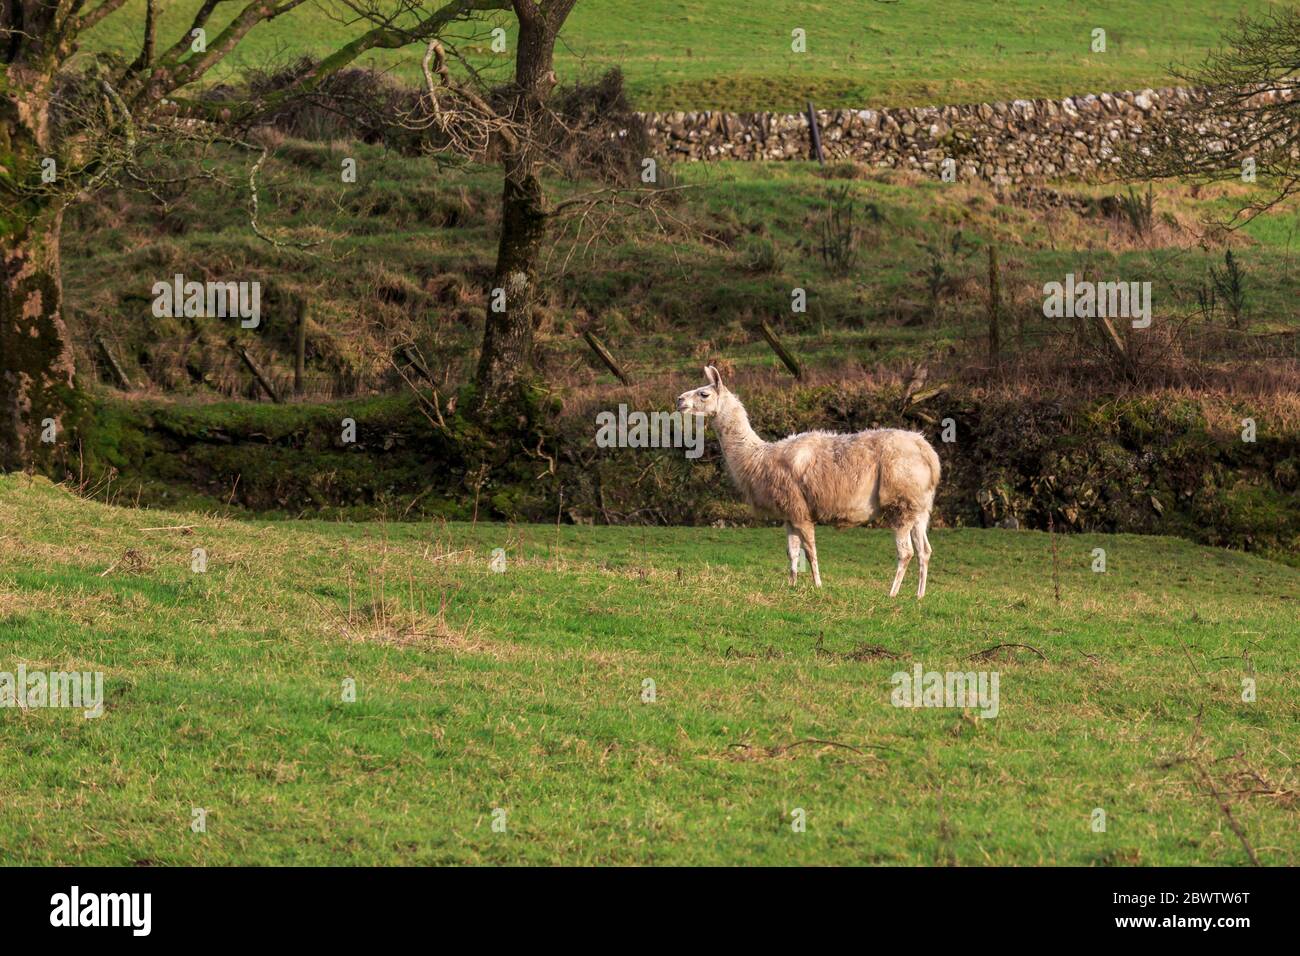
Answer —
406 254
406 258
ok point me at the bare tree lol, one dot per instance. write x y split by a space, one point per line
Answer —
45 164
1242 119
516 125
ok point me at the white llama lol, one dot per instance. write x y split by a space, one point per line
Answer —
823 476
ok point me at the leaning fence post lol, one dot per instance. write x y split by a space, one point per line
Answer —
412 359
120 375
784 354
257 372
815 134
599 348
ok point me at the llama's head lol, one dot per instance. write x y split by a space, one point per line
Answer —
706 399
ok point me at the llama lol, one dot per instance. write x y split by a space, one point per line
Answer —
823 476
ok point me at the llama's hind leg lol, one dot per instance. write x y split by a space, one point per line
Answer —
792 549
903 543
921 542
810 545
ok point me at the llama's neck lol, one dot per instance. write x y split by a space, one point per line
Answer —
739 441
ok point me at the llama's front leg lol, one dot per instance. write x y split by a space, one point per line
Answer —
809 538
792 549
903 542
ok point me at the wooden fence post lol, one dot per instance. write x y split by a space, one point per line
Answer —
408 353
816 135
300 358
599 348
257 372
118 373
784 354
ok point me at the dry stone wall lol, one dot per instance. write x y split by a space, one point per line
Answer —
1000 142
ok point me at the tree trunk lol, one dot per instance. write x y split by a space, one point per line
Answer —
507 356
508 336
36 361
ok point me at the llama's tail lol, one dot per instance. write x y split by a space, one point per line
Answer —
932 459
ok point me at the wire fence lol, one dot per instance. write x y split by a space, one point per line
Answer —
250 368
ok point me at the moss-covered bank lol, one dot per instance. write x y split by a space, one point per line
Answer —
1139 465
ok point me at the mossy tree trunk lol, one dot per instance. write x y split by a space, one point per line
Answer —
37 388
507 354
506 360
36 361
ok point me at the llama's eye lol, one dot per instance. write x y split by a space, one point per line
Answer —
703 394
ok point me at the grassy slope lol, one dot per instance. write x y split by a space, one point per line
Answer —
412 249
735 54
223 693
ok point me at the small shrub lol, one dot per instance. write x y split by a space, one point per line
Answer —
1138 211
761 256
942 259
350 104
842 228
1230 286
1206 300
845 170
594 131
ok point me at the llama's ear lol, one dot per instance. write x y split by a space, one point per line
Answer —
714 378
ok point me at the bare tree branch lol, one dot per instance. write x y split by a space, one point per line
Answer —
1241 119
81 24
147 45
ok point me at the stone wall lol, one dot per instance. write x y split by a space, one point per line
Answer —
1000 142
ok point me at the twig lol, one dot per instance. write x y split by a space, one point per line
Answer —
1207 783
1056 562
778 749
995 647
1227 813
1196 667
450 554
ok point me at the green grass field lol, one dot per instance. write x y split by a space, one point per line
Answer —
522 691
732 54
